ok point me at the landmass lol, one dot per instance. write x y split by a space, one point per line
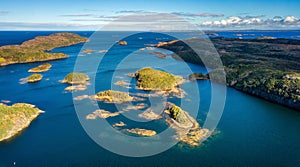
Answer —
187 128
198 76
112 96
141 132
122 43
103 51
119 124
159 55
151 79
15 118
76 88
37 49
264 67
34 78
149 114
88 51
41 68
76 78
102 114
122 83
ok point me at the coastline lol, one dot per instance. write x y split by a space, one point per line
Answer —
17 129
253 51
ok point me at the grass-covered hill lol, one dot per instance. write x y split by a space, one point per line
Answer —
36 49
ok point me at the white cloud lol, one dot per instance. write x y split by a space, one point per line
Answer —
291 19
254 22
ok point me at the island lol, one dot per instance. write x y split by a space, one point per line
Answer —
122 43
187 128
198 76
37 49
113 96
151 79
34 78
149 114
41 68
119 124
15 118
76 78
264 67
88 51
102 114
141 132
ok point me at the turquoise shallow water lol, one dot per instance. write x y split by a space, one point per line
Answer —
251 132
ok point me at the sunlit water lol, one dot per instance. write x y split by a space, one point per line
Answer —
252 131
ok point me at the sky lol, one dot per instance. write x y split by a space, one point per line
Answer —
98 14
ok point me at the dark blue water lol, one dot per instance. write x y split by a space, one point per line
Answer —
251 132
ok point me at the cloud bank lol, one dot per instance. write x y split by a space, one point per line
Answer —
277 22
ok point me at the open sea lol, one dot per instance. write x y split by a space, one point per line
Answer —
251 131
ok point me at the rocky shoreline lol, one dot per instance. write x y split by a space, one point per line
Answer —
20 121
257 67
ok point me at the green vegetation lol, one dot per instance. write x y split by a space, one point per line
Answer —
15 118
35 50
41 68
177 114
34 78
150 79
113 96
76 78
268 68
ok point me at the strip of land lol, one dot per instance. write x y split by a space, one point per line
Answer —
37 49
267 68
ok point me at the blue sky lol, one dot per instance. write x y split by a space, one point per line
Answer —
92 14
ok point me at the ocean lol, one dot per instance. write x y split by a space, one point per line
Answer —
251 131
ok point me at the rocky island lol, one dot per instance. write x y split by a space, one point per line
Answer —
34 78
15 118
122 43
41 68
263 67
187 128
37 49
76 78
198 76
112 96
151 79
141 132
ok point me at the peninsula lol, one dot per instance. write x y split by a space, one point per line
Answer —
15 118
37 49
267 68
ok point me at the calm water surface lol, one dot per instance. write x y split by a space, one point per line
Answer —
251 131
